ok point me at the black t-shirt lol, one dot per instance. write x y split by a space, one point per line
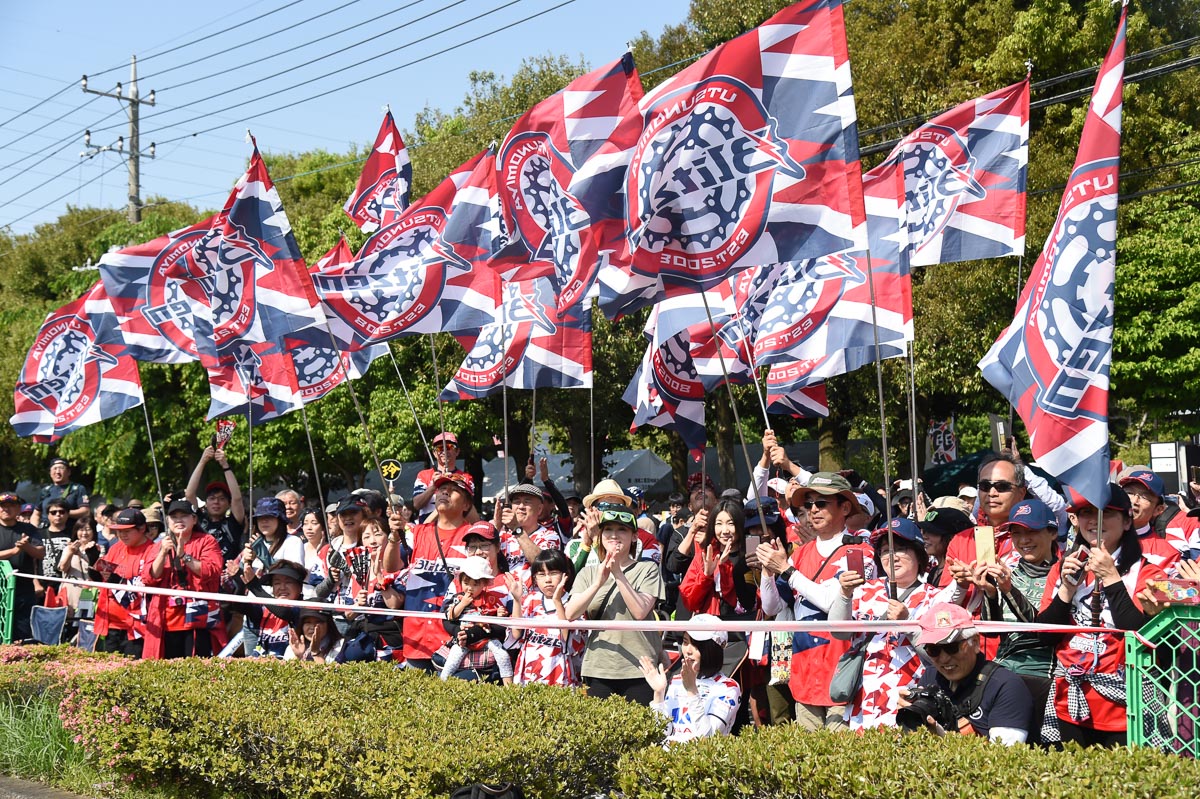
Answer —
56 543
21 562
228 532
1006 701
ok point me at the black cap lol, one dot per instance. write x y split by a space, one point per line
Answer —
351 503
946 521
285 569
180 505
127 519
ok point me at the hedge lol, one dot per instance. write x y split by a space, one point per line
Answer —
268 728
32 671
884 764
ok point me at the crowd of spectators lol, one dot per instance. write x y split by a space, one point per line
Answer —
794 545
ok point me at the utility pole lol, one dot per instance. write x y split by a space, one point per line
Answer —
133 105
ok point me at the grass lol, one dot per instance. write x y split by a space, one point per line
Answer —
34 746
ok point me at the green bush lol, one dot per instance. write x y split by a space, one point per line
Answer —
266 728
883 764
44 671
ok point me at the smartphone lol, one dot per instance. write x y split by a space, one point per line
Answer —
1083 554
854 562
752 542
985 545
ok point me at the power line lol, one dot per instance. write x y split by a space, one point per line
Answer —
443 51
203 39
1146 74
112 168
61 144
330 54
1041 84
48 124
39 104
324 37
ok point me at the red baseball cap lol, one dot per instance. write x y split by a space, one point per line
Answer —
460 479
449 438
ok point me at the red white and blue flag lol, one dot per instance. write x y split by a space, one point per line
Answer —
960 182
560 172
667 392
155 305
792 392
381 194
77 371
821 311
428 271
747 157
256 285
528 346
258 380
1052 363
321 361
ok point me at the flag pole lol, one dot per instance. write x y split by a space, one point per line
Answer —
153 454
912 423
504 382
1020 275
437 381
532 423
250 529
362 418
592 429
313 454
762 403
737 422
887 471
412 407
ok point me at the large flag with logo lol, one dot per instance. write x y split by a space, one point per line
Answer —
1052 363
154 303
255 283
960 182
428 271
560 172
76 373
381 194
528 346
747 157
321 361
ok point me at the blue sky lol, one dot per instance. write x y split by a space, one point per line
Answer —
46 47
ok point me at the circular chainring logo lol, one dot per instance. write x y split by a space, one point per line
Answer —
801 303
550 220
65 372
939 173
700 182
173 298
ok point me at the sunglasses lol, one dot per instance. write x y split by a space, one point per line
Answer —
1002 486
55 512
820 504
620 516
933 650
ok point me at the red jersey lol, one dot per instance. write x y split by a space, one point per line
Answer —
815 656
427 583
1094 653
111 614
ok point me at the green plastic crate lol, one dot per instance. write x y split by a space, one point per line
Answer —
1163 682
7 586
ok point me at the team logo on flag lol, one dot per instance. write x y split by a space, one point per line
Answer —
1076 326
939 173
501 347
231 286
801 304
377 302
700 181
534 176
172 300
66 376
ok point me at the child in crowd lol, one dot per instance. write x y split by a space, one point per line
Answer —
549 656
476 596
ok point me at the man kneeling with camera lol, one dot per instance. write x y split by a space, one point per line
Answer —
967 693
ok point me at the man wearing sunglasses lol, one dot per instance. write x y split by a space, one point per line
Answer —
1001 486
989 700
811 573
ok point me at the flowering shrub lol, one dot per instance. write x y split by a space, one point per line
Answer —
266 728
27 671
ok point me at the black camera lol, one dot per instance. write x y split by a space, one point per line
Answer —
925 701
